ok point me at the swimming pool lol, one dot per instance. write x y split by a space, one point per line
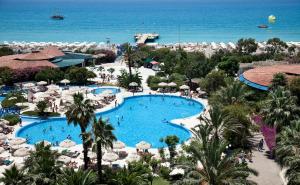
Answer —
141 118
102 89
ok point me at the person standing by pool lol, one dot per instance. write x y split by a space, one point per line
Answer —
116 102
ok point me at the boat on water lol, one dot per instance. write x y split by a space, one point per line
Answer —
263 26
57 17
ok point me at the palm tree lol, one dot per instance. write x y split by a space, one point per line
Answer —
13 176
129 57
80 177
104 137
81 112
280 108
288 151
41 165
218 169
234 93
220 122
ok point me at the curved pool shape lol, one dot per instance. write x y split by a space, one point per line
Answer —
102 89
141 118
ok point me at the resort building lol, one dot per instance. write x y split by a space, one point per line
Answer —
48 57
261 77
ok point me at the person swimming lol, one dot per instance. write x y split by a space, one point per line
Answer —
50 128
122 118
69 137
44 130
63 129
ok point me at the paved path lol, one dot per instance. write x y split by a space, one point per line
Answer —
268 169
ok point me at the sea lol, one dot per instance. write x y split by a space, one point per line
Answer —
117 21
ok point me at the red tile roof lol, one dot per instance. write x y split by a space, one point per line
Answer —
264 75
52 52
31 60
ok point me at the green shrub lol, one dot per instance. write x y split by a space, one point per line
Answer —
12 118
12 99
50 74
164 172
37 114
79 75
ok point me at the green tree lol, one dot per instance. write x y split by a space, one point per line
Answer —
104 137
111 71
6 76
79 75
220 122
128 56
294 87
81 113
279 79
6 51
230 65
292 50
246 46
217 168
234 93
171 142
41 107
287 151
13 176
136 173
49 75
41 166
213 81
276 46
280 109
79 177
125 79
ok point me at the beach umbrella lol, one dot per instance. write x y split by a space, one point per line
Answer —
177 171
28 85
132 157
110 157
3 136
1 150
196 80
4 122
67 143
42 83
65 81
64 159
118 145
5 155
143 145
184 87
17 141
133 84
162 84
172 84
52 87
21 152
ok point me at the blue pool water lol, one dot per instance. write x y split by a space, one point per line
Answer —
102 89
142 121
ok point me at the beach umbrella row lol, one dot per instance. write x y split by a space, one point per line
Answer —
164 84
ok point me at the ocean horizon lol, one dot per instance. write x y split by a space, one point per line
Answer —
175 21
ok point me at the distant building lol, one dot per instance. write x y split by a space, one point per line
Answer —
261 77
48 57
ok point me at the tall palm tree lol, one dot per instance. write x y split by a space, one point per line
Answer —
234 93
104 137
220 122
217 169
129 57
81 112
288 151
13 176
280 108
80 177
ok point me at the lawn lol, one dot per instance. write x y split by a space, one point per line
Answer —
160 181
